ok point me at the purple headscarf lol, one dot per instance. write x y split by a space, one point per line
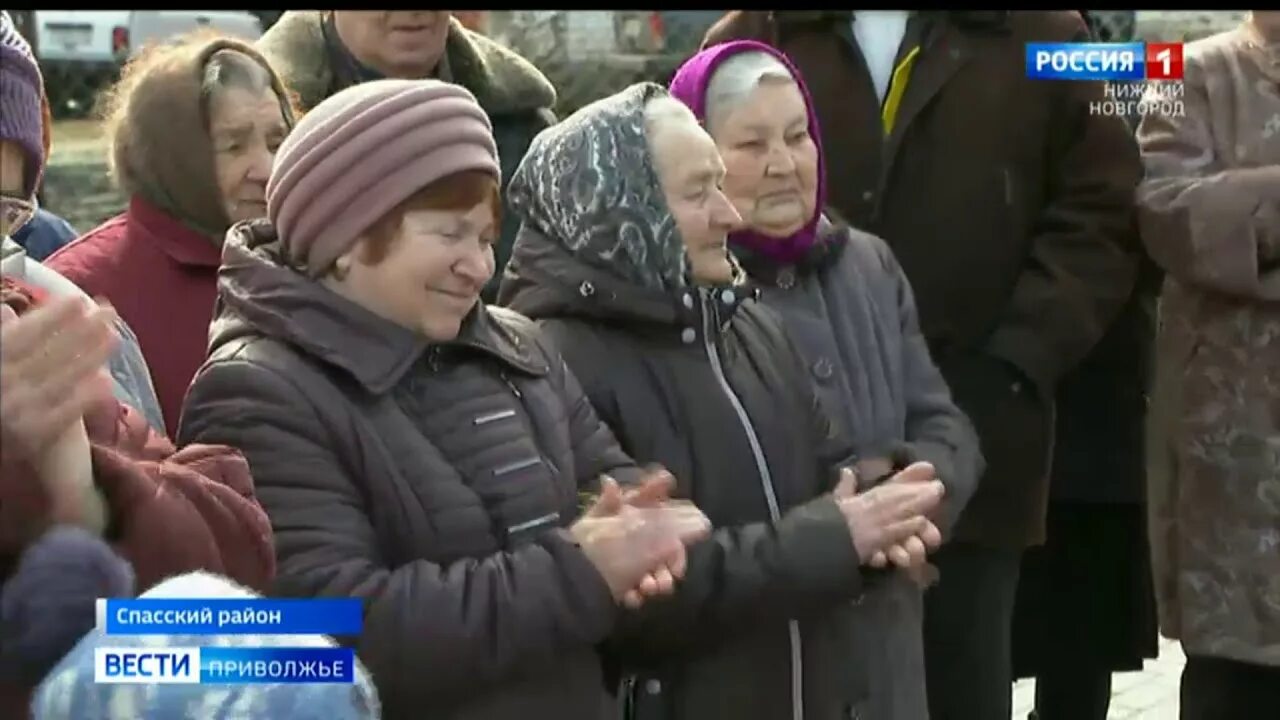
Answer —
690 87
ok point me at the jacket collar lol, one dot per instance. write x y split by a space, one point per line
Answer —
544 280
280 302
824 253
171 236
948 40
502 81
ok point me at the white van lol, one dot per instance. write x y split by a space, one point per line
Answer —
80 51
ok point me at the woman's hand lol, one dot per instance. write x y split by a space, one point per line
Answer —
49 359
890 522
655 492
50 364
637 539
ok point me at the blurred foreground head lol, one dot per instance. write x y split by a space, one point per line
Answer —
25 128
25 119
69 692
48 602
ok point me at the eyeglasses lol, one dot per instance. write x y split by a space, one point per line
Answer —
15 212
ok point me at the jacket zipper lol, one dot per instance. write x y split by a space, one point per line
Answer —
506 379
511 385
629 697
709 322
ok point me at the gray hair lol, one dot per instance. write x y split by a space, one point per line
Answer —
736 78
229 68
666 111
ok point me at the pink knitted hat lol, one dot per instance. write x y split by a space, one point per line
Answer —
363 151
24 118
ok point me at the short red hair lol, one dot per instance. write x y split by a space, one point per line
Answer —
459 191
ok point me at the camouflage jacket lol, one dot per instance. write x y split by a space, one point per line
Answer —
1210 215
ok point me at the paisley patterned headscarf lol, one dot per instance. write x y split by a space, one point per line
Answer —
589 184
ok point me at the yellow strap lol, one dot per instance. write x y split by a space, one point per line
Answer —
897 86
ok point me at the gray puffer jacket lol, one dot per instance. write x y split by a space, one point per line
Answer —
433 481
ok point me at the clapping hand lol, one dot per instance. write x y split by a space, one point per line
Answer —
654 493
50 374
907 499
49 362
637 537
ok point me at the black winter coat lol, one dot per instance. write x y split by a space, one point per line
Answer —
705 383
433 482
1099 453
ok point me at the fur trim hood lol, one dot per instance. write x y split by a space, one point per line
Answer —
502 81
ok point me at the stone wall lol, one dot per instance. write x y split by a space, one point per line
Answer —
77 185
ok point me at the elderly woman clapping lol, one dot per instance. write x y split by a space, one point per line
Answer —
848 306
622 254
412 446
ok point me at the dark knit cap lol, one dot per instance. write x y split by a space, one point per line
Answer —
25 116
50 601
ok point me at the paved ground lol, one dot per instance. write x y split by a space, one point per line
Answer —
1148 695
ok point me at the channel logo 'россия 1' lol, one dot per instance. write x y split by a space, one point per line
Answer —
1104 61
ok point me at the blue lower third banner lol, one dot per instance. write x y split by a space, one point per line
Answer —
225 616
223 665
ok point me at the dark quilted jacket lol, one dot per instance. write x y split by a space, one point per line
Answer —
432 481
705 384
